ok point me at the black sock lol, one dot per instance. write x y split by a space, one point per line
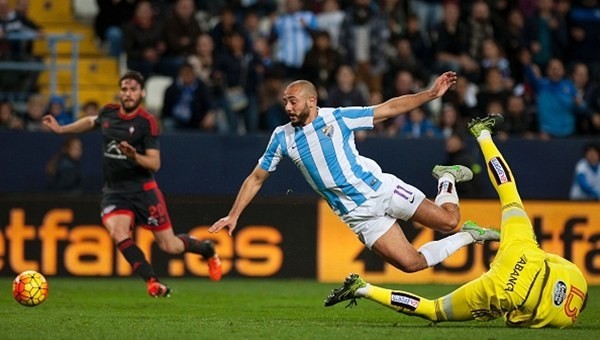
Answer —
192 245
134 255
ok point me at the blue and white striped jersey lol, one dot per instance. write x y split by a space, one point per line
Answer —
326 154
293 38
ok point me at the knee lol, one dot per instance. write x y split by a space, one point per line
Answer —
409 263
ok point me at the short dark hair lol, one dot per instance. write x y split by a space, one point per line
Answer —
591 146
133 75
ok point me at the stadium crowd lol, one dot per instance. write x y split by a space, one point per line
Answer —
536 61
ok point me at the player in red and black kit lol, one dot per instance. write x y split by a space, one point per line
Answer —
131 196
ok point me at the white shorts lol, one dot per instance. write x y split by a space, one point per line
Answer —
395 200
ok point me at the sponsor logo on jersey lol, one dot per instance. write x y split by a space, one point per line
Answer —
560 293
514 275
404 300
113 151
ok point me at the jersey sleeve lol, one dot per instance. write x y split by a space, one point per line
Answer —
151 136
357 117
274 152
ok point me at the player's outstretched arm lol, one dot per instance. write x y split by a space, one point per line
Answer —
84 124
249 188
402 104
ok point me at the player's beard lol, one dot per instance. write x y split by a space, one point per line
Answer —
133 107
302 116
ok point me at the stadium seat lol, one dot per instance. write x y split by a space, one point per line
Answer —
155 93
91 71
45 12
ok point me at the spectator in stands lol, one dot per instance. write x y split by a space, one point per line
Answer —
264 51
417 124
144 42
321 63
464 98
58 108
64 168
593 125
420 42
271 108
90 108
204 59
16 35
546 34
330 19
403 84
363 38
494 88
181 32
556 98
430 12
226 25
112 15
255 27
458 153
518 121
35 110
450 122
492 56
292 34
450 43
580 76
403 59
586 178
239 73
396 14
515 42
187 103
9 120
348 90
584 25
481 26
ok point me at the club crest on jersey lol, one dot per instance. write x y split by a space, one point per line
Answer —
560 293
328 131
131 130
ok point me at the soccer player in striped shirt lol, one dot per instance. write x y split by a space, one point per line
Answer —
320 141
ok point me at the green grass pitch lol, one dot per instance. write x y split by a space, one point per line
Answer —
119 308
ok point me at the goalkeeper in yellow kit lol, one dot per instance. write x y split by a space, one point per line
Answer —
526 285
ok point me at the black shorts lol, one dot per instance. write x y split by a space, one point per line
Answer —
147 208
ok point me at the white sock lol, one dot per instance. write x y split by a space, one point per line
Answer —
446 190
437 251
362 291
485 134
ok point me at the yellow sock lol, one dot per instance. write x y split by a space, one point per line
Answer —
403 302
